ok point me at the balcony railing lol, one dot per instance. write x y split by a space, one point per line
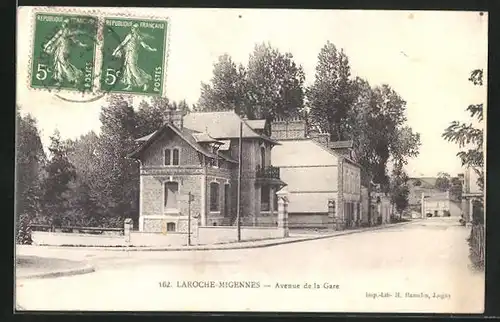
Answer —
268 172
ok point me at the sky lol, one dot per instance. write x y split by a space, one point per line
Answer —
425 56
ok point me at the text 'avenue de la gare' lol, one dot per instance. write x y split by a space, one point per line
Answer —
247 284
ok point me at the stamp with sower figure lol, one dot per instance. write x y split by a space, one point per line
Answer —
134 61
64 52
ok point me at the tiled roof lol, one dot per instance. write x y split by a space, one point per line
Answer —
205 138
187 134
145 138
426 182
305 152
221 125
340 144
257 124
302 152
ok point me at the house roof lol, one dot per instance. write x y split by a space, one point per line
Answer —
332 151
257 124
301 152
187 135
223 125
426 182
145 138
340 144
204 137
305 152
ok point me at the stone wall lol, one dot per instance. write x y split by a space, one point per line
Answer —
220 235
309 220
71 239
160 224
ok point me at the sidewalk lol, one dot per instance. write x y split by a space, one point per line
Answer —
28 267
293 238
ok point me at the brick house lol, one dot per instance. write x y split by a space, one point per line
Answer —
198 153
323 181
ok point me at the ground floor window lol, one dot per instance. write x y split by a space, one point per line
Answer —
171 190
264 198
170 226
214 196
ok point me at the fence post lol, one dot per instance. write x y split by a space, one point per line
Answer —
283 212
127 227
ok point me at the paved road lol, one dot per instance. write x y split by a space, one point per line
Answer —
426 257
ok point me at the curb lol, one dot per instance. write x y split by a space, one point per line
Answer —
281 242
231 247
69 272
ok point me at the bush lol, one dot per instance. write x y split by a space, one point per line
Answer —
24 231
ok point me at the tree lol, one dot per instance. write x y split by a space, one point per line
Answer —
30 159
226 91
85 203
331 96
470 140
399 190
180 106
151 116
350 109
405 144
56 184
469 137
389 137
443 181
118 176
274 84
270 86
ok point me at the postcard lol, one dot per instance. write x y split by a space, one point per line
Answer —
250 160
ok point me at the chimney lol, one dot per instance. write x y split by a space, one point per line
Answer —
283 128
175 117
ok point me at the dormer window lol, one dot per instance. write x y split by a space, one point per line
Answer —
171 156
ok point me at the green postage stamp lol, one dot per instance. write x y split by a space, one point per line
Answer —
83 53
133 56
64 51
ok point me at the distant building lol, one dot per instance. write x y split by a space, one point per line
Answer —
199 154
320 175
426 199
471 192
440 205
419 186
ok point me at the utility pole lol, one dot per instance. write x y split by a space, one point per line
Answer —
238 210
